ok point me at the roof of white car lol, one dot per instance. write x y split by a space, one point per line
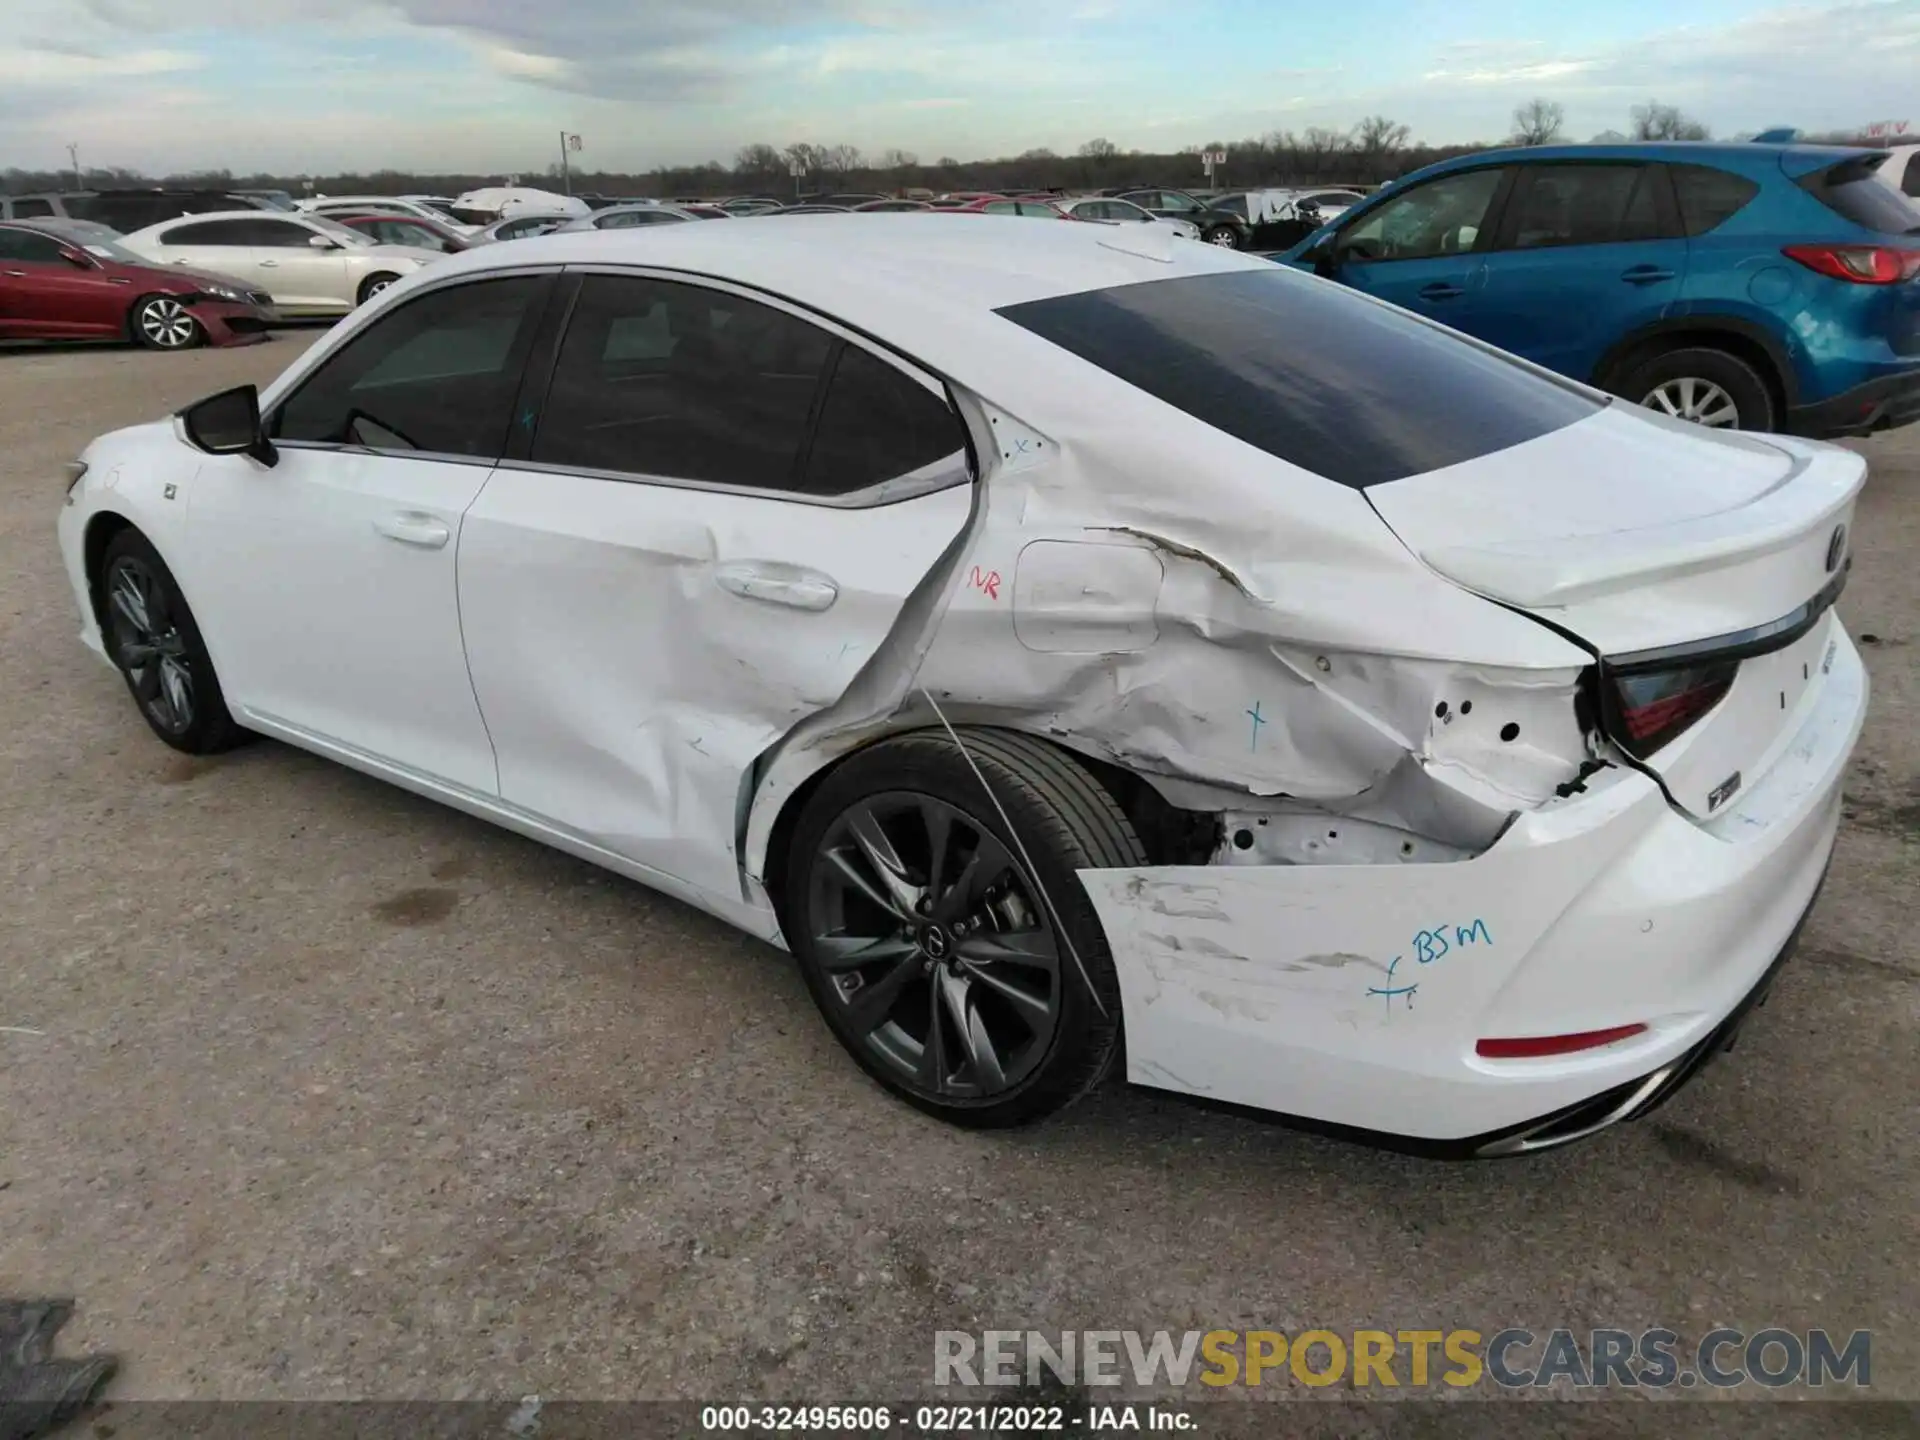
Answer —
300 217
857 265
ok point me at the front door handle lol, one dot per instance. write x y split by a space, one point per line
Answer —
269 264
1646 274
410 527
1441 290
775 583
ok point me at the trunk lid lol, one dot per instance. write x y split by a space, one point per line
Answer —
1659 545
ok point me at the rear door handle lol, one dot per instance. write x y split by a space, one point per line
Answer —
268 264
774 583
410 527
1646 274
1441 290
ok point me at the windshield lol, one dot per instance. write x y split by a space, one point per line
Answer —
1348 388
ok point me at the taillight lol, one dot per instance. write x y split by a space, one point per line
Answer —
1655 706
1858 264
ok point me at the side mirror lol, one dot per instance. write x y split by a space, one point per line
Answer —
229 424
322 242
1324 256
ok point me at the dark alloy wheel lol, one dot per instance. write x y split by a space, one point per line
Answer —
151 637
928 938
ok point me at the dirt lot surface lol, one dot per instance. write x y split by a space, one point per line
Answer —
316 1089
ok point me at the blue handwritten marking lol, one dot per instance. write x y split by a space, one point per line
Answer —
1390 990
1258 721
1429 946
526 419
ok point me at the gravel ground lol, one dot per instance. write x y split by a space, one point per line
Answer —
338 1093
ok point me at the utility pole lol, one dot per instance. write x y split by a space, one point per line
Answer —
73 154
566 171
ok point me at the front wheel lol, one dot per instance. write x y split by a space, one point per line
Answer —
161 322
1225 236
946 937
153 641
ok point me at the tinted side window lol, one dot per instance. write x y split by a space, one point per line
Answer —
1855 189
1582 205
31 209
1356 391
1708 197
275 234
1446 216
1910 183
208 232
28 245
439 374
664 379
877 424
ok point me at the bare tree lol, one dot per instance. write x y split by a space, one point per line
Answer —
807 157
841 159
1538 122
898 159
1654 121
1377 135
758 160
1099 149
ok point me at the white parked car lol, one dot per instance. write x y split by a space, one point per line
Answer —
335 205
628 217
1044 641
309 265
503 202
1901 170
1102 207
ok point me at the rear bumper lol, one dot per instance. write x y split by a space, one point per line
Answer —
1875 405
1351 998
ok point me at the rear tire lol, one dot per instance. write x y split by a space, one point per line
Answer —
923 927
161 322
151 637
1225 236
373 285
1701 384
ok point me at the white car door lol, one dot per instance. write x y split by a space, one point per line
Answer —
297 273
224 247
325 583
719 518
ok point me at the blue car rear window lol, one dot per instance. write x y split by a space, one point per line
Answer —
1358 392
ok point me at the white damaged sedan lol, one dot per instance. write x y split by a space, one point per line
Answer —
1052 636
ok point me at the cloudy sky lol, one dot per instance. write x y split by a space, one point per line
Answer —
318 85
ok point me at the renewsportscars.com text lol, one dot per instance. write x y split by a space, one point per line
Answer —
1513 1358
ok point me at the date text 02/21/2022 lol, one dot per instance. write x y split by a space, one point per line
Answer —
1427 946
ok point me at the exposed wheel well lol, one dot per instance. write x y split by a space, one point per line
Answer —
100 532
1763 362
1169 835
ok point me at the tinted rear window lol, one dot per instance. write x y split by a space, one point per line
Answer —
1355 391
1856 189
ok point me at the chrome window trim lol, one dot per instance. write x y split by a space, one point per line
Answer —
929 479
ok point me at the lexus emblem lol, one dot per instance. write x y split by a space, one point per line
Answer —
1836 548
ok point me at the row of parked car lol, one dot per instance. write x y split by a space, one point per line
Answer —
1752 286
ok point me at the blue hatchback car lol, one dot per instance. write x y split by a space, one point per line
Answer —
1768 287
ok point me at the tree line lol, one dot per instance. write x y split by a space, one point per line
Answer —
1376 150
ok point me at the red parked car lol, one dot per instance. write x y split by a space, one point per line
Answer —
1000 205
61 285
